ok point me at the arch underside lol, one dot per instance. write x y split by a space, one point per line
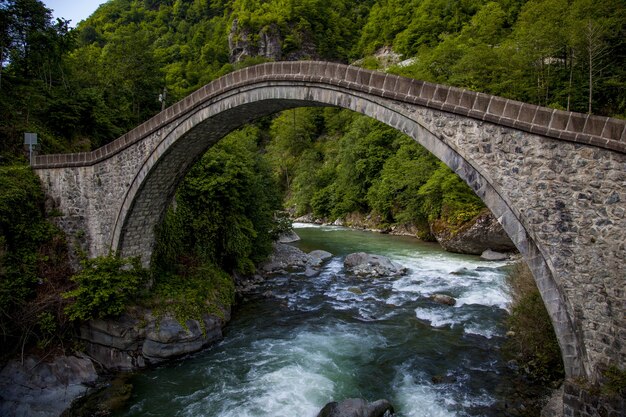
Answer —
153 187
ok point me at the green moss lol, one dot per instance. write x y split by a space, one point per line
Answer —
207 290
614 382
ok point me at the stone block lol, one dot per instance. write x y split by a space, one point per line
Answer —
559 120
543 116
496 106
527 114
595 125
613 129
481 104
576 122
428 91
440 94
453 97
467 99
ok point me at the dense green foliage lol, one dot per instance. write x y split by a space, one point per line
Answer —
334 163
106 285
224 210
533 342
33 263
559 53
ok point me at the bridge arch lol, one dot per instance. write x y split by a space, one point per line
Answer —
521 160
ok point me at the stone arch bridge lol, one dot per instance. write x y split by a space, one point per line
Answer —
555 180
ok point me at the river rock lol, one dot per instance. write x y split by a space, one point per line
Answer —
322 255
287 258
308 218
357 407
443 299
474 237
490 255
288 237
37 388
132 341
367 265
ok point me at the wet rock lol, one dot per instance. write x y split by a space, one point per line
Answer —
288 237
367 265
443 299
287 258
171 339
322 255
104 400
474 237
133 341
310 272
356 290
41 389
357 407
490 255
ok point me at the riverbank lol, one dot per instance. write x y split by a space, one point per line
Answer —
481 233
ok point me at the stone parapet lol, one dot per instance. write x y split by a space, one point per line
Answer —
581 128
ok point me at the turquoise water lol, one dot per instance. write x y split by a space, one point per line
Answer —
330 337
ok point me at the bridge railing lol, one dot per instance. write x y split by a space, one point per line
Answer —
600 131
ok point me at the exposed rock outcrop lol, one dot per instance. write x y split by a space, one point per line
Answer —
357 407
287 258
134 341
482 233
241 44
367 265
37 388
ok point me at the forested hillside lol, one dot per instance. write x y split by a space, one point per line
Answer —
82 88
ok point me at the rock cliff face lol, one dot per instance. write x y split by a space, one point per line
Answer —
267 43
244 44
37 388
474 237
132 342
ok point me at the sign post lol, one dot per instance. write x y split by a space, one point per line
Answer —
30 139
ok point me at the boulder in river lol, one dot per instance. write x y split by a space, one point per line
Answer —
287 258
357 407
322 255
443 299
367 265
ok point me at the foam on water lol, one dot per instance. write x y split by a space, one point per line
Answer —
420 399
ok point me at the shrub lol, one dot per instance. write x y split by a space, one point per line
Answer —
532 342
106 285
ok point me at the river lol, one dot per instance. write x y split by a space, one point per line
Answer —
330 337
